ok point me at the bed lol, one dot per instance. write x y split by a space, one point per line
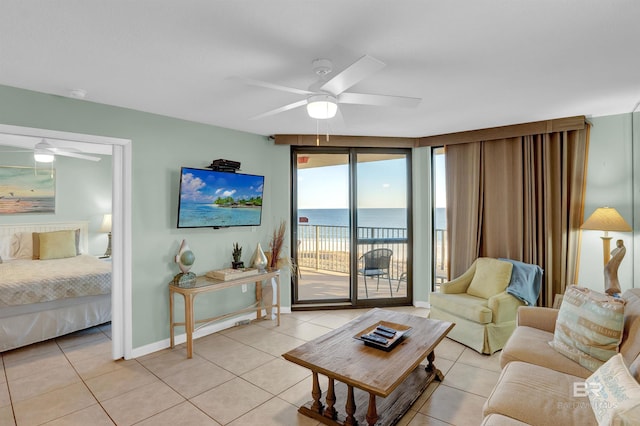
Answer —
49 284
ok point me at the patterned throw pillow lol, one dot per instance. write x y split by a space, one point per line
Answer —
614 394
589 327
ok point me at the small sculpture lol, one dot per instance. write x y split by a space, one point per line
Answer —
237 255
259 259
185 259
611 283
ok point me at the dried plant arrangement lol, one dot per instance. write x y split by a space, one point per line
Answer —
277 244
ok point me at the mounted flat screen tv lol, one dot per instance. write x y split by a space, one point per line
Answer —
214 199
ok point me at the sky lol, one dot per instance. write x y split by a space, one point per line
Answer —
382 184
207 186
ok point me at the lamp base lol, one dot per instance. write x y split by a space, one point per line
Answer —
108 252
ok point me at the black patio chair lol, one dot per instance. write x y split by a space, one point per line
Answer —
376 263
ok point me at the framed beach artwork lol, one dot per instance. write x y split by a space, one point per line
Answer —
27 190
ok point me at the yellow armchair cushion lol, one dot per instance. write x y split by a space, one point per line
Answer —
463 305
491 277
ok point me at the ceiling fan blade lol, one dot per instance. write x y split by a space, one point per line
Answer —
354 73
281 109
378 100
76 155
259 83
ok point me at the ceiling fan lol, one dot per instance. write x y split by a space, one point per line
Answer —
322 97
45 152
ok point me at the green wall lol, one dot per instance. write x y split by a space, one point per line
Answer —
161 145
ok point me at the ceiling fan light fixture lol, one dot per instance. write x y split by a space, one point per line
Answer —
322 107
43 156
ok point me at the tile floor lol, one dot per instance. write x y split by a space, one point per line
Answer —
236 377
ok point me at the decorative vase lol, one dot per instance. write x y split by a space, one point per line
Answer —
259 259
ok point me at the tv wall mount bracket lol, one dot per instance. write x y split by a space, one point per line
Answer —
222 165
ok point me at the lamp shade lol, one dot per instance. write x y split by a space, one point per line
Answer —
322 106
106 223
606 219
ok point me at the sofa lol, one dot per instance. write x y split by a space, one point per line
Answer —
540 386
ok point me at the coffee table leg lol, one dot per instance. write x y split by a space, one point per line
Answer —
330 412
432 368
316 393
350 408
372 413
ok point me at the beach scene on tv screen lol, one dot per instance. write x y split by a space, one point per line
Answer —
209 198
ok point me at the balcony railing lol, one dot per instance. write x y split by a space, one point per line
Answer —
324 247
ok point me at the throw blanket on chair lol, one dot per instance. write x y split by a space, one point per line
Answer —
526 280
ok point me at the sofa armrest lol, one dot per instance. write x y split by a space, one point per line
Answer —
538 317
504 307
460 284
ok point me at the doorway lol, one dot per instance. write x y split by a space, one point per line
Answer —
351 228
121 318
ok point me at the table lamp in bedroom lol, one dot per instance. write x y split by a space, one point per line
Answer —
106 228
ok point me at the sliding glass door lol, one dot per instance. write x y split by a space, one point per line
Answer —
351 226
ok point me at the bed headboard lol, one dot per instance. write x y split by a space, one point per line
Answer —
52 226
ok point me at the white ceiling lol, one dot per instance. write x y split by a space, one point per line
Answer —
475 64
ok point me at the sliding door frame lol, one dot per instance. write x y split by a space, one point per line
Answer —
353 301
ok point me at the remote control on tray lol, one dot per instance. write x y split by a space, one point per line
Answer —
375 339
386 329
383 333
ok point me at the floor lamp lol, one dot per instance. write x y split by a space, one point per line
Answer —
606 219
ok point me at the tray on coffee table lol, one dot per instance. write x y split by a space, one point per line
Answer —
401 330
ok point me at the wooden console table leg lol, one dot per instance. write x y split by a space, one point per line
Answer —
330 412
432 368
372 413
278 297
316 393
259 299
189 326
171 326
350 408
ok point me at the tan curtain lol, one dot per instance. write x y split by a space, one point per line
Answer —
529 197
464 204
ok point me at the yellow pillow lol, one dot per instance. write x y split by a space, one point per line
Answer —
36 243
57 245
491 277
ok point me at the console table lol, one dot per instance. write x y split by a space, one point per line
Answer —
205 284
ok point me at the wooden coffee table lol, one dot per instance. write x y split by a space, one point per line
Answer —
358 373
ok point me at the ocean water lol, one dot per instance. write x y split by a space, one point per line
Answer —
198 214
27 205
382 218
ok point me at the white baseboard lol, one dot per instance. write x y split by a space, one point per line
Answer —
422 305
204 331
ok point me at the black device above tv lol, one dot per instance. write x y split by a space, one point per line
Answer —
219 199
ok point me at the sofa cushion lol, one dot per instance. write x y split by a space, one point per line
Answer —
630 346
491 277
529 344
463 305
537 395
589 327
500 420
613 393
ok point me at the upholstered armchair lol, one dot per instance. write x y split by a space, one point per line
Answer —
478 303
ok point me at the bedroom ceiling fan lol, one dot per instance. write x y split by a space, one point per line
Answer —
45 152
323 97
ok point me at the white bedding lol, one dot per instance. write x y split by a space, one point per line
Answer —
25 281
